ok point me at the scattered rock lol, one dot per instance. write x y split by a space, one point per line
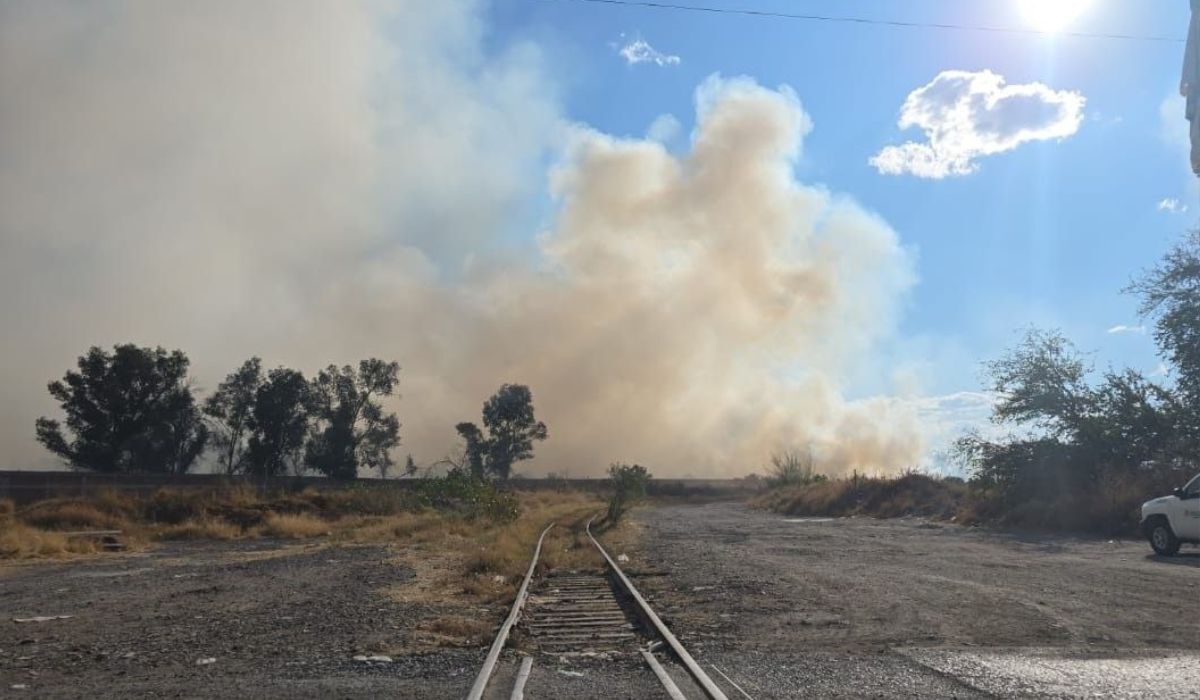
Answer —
376 658
572 674
205 661
43 618
623 558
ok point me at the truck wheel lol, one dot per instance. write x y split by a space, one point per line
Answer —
1162 539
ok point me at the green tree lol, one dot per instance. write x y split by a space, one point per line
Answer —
410 468
1170 295
511 427
628 483
229 410
1042 382
131 410
1132 421
350 428
1071 433
278 424
475 449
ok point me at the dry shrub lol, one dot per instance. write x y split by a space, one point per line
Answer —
71 514
463 631
20 541
294 527
203 528
1110 506
175 507
7 508
408 527
909 495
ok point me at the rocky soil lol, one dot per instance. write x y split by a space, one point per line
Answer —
234 619
861 607
780 607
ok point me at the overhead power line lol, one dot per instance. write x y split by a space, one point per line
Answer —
842 19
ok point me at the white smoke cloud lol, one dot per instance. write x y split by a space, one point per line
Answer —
967 116
665 129
320 182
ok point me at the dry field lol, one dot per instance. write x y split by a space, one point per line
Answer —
283 603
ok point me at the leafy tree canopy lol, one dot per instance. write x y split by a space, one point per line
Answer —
229 411
130 410
511 427
350 428
278 424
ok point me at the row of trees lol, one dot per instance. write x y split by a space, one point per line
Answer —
274 423
134 410
1071 429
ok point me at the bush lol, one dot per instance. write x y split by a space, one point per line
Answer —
470 495
69 514
910 494
204 528
19 541
793 468
1110 506
294 526
628 485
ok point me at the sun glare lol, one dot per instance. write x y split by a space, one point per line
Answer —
1052 15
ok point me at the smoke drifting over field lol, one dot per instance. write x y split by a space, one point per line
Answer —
316 182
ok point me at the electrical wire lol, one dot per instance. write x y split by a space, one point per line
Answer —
652 4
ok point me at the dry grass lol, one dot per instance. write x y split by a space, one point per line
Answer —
294 527
464 564
1110 507
910 494
66 515
234 512
203 528
22 542
457 630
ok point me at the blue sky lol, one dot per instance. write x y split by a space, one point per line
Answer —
1046 234
349 179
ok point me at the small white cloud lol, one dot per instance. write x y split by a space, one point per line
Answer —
1120 330
1172 206
664 129
1161 371
966 116
639 51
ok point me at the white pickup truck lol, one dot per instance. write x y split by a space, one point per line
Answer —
1173 520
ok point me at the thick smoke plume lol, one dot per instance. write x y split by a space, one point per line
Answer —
317 182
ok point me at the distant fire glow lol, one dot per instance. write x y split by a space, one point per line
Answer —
1052 15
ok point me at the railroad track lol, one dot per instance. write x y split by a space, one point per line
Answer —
589 614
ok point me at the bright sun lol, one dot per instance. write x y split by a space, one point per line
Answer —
1052 15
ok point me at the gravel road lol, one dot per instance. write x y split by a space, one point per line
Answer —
907 608
810 608
276 621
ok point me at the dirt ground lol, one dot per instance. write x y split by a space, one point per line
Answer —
276 621
842 608
907 608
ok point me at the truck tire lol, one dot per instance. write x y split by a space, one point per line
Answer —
1162 538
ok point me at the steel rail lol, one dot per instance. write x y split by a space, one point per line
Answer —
663 677
489 665
710 688
518 691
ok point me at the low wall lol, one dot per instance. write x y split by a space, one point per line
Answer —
28 486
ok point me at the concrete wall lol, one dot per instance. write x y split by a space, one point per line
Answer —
28 486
